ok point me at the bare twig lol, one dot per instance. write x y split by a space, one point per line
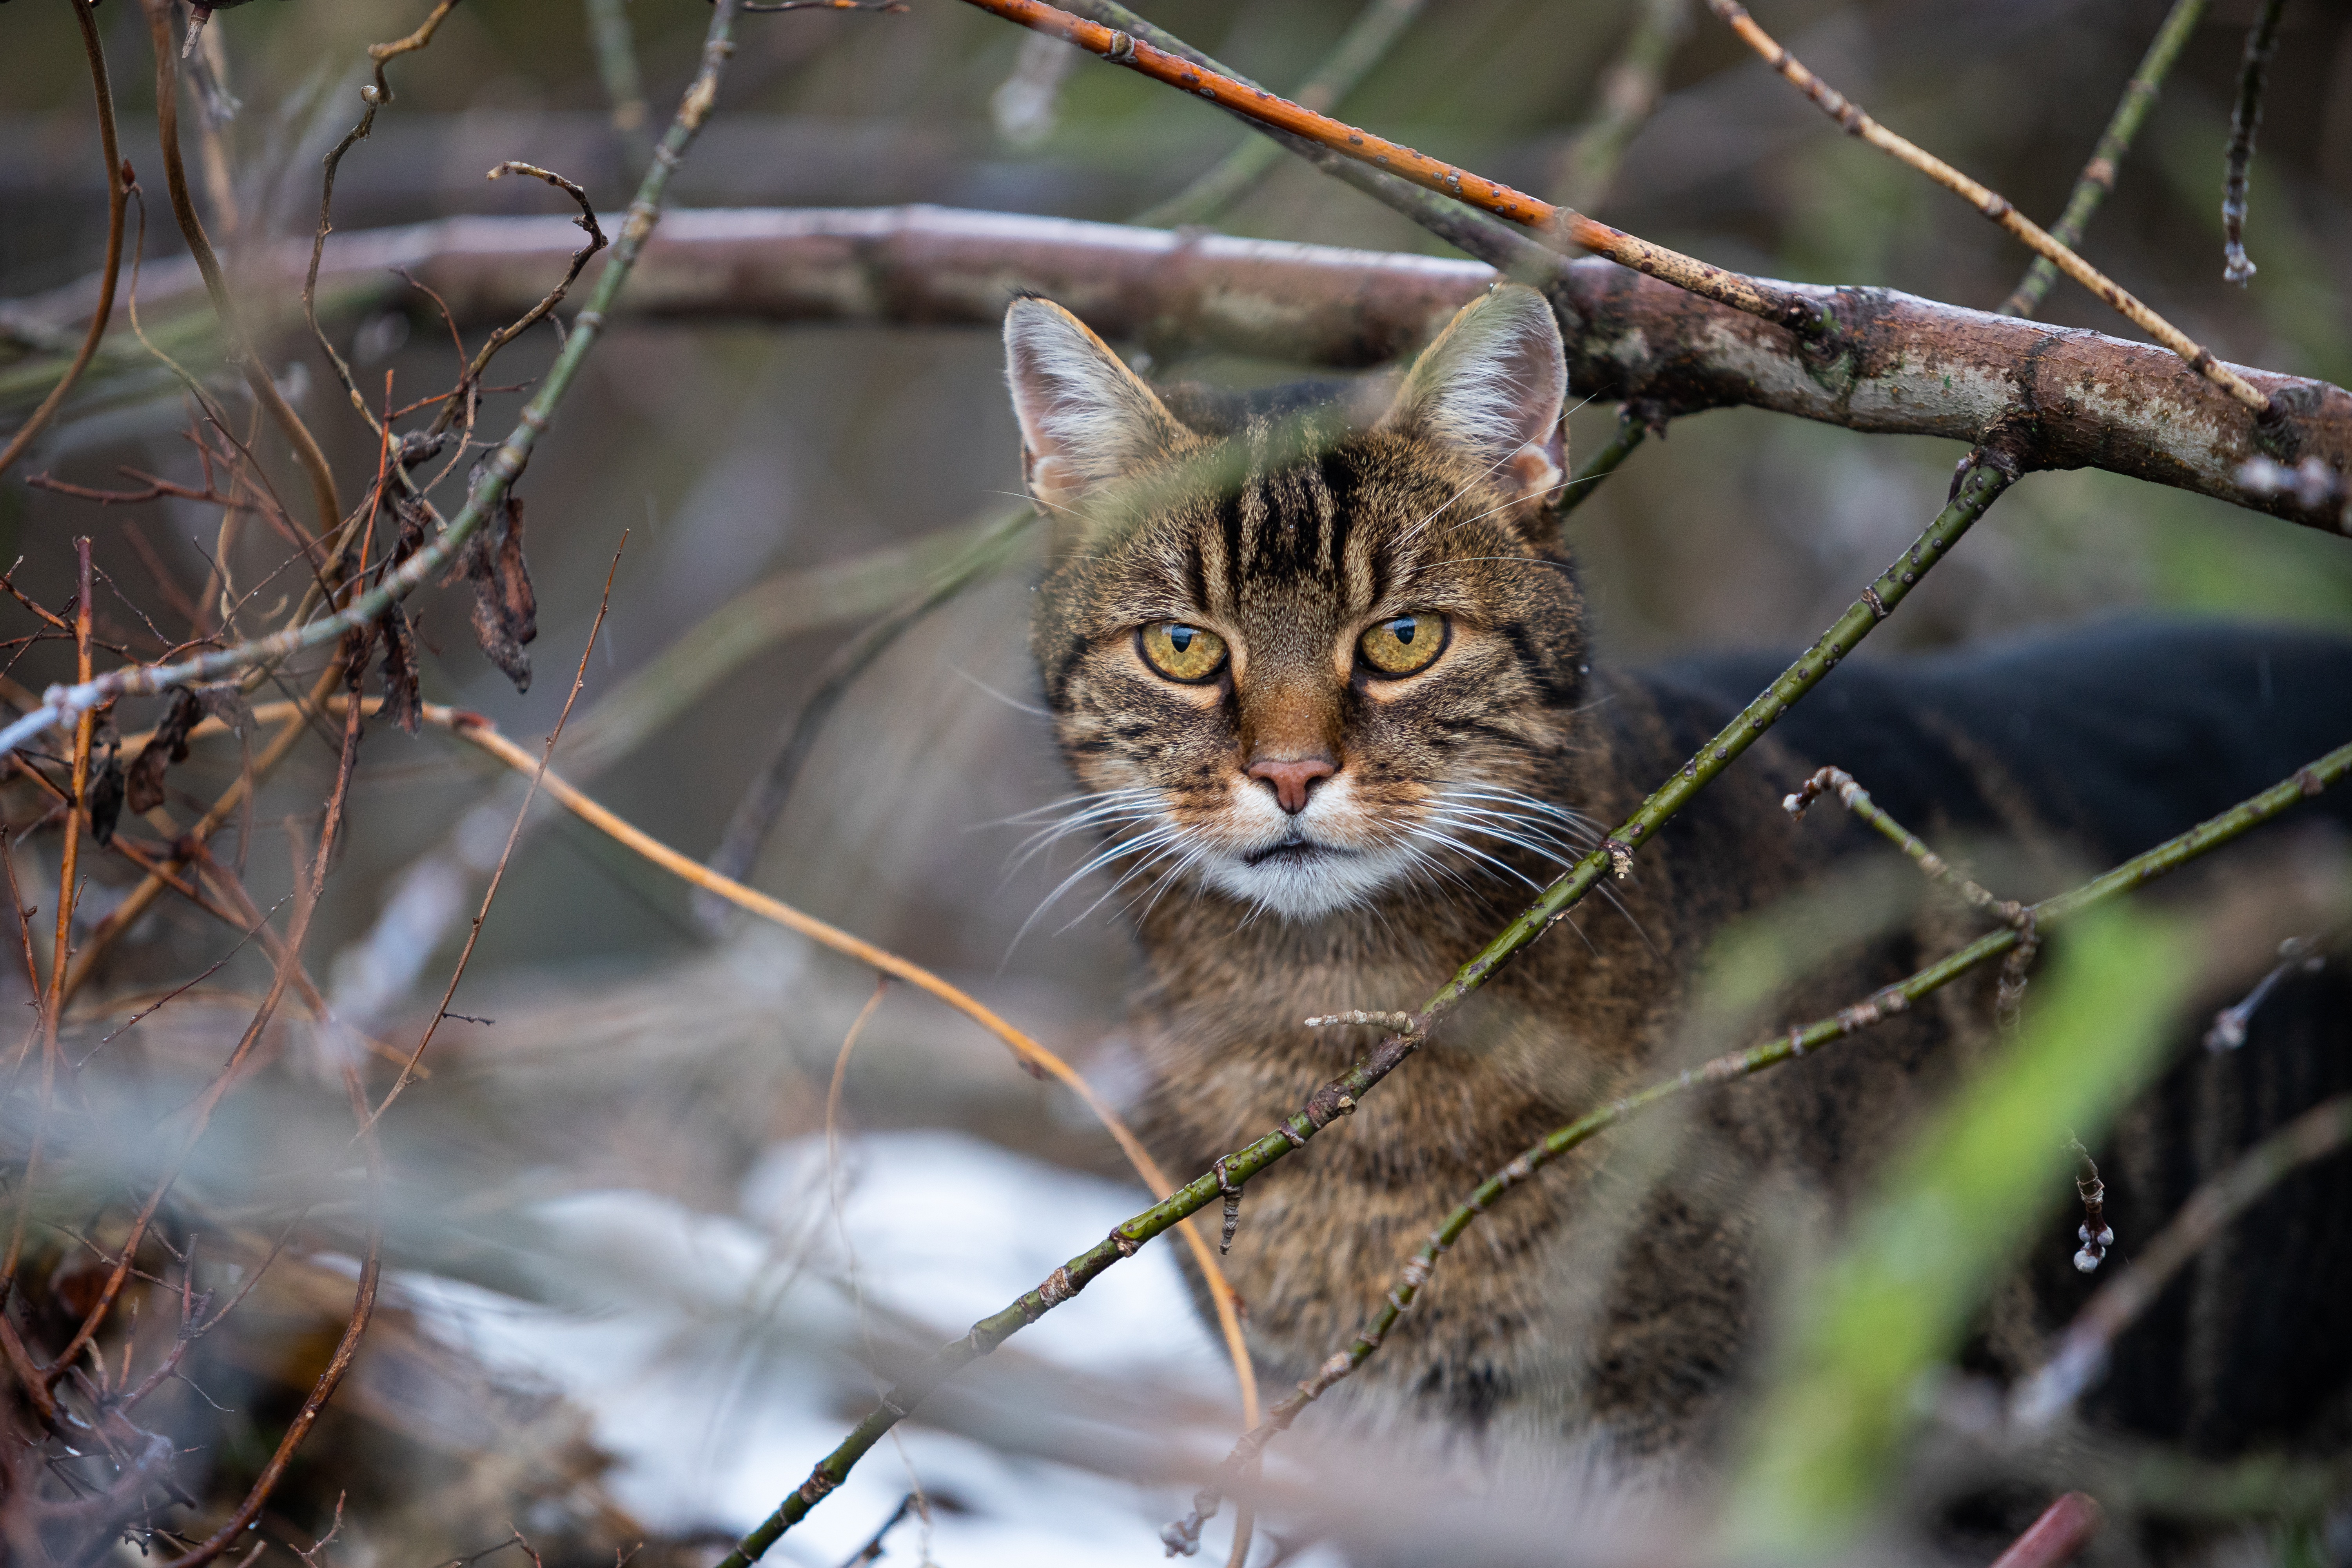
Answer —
624 86
514 833
2245 119
2097 181
347 1346
116 195
1993 205
469 383
1838 782
2082 1354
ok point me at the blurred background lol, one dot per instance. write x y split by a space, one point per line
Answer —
613 1202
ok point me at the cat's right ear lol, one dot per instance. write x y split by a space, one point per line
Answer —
1086 418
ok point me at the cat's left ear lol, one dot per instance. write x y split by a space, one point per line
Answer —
1494 386
1086 418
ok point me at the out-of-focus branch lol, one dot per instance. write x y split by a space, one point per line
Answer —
116 197
1992 205
1359 49
2097 181
2245 119
192 226
1898 364
763 801
2082 1354
1628 95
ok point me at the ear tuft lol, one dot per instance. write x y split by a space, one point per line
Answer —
1494 385
1086 418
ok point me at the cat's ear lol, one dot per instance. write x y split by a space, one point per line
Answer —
1493 384
1086 418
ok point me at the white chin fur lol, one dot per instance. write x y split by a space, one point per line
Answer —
1303 889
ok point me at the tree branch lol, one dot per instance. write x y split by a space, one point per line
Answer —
1897 365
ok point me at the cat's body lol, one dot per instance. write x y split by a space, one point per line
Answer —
1237 643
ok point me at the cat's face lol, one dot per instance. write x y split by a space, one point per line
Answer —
1299 663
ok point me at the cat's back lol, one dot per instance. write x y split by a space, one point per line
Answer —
2047 759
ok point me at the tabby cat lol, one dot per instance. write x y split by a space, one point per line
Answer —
1321 672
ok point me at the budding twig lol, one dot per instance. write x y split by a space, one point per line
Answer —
2082 1356
2097 1235
2245 119
2229 1030
1992 205
1856 800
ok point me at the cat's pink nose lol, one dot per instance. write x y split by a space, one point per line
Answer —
1292 778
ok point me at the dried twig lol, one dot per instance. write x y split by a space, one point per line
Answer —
117 183
2097 181
514 833
2245 119
2082 1354
347 1345
1993 205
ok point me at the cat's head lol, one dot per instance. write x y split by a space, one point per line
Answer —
1315 658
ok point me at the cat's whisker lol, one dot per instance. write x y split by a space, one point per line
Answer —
1155 840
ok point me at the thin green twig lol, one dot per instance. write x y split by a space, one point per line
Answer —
2097 179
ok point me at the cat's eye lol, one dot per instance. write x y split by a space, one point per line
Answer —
1181 651
1403 644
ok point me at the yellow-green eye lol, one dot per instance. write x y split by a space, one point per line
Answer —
1181 651
1402 643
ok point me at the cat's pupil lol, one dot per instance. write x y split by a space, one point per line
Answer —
1180 638
1402 628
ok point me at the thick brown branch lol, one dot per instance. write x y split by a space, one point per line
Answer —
1899 365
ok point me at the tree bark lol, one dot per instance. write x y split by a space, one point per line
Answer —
1895 363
